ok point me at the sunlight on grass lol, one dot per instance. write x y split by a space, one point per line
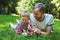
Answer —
58 28
1 25
56 19
14 15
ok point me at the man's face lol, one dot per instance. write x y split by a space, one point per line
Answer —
38 14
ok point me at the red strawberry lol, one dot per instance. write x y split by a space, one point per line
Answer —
19 31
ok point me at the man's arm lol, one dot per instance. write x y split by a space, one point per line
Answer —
49 26
48 30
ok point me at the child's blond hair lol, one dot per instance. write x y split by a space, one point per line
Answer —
26 14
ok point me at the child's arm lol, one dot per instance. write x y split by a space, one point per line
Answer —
12 26
18 26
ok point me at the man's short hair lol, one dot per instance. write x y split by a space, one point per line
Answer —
40 6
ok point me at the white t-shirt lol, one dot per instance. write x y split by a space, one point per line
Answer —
48 20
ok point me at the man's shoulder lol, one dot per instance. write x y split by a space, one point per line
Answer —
48 15
32 19
31 16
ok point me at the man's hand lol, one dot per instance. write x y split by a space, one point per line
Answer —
37 31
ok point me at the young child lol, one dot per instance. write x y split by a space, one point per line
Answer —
23 24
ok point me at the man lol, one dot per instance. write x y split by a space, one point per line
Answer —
41 20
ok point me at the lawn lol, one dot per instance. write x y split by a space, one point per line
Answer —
7 33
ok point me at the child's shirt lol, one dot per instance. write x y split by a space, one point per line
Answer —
20 26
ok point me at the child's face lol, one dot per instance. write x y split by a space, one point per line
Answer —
25 20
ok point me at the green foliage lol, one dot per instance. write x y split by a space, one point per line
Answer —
16 6
8 6
25 5
52 6
56 10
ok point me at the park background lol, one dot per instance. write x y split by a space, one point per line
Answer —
10 10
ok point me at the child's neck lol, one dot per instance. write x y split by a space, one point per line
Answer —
25 23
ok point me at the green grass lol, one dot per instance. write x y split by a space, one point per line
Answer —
7 33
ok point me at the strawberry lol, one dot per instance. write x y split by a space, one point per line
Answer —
19 31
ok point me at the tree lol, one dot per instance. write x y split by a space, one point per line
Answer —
8 6
57 9
25 5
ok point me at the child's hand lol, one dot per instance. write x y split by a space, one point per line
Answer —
30 26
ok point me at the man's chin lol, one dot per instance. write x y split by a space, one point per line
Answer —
39 20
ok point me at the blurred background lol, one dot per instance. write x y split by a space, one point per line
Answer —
15 6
